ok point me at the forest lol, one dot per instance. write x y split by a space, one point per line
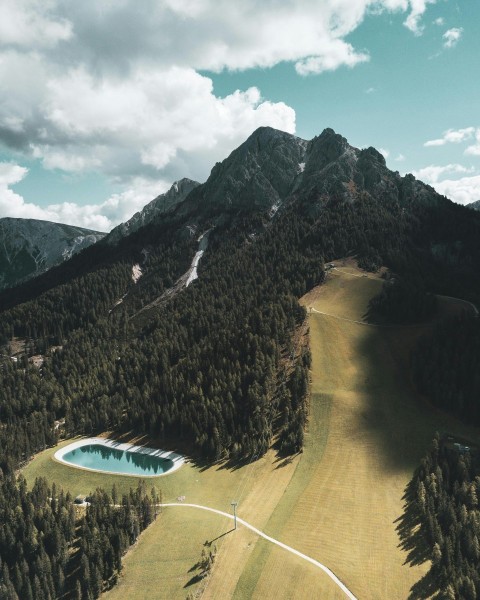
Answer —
48 551
213 368
446 366
442 521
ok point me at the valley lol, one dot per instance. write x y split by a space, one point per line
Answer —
338 501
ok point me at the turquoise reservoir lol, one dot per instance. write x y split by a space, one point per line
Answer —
112 460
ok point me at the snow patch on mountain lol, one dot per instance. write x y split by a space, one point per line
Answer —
136 272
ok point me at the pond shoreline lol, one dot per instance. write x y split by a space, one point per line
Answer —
177 459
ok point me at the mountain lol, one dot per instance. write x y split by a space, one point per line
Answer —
475 205
258 174
158 206
272 166
29 247
211 285
187 327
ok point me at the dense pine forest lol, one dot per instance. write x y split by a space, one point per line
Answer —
48 551
210 367
442 521
402 301
446 367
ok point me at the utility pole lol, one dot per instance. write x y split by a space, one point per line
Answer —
234 504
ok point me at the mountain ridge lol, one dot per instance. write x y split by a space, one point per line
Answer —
30 247
161 204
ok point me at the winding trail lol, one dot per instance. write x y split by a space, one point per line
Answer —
314 562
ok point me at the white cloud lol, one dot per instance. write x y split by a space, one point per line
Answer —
101 217
400 157
340 53
463 191
11 174
432 173
417 10
370 90
474 149
114 87
27 23
384 152
452 36
218 34
439 21
454 136
155 122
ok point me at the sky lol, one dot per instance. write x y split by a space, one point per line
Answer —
105 103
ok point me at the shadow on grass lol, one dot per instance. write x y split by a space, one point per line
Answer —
195 579
220 536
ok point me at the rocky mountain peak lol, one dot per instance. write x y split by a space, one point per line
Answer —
373 155
475 205
327 147
259 173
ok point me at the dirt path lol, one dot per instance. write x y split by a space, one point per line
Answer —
314 562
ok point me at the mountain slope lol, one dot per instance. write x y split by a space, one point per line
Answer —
158 206
474 205
29 247
271 230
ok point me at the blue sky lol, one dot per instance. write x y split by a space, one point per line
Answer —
104 104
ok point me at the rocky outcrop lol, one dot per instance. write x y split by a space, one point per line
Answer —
258 174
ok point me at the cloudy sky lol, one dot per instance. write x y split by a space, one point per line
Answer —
104 103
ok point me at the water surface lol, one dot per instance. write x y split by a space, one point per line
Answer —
113 460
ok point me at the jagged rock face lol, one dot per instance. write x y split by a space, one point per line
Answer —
29 247
272 167
258 174
475 205
158 206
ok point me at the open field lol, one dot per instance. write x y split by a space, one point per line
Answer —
337 502
342 505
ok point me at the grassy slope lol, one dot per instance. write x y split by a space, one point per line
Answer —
336 502
343 500
176 539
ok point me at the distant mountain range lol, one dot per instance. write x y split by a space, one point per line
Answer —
475 205
266 173
29 247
